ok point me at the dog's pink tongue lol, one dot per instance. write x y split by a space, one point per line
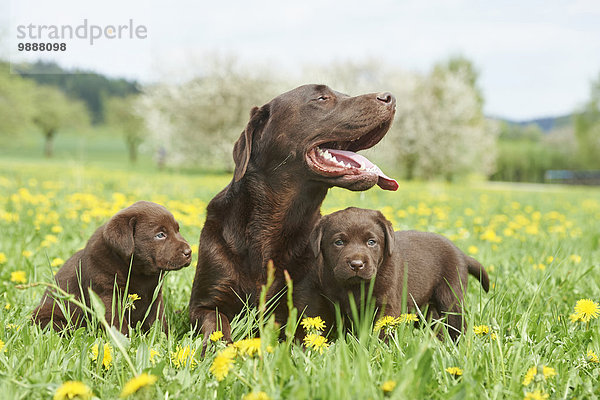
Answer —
357 160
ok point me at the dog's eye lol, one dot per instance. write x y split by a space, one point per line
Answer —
323 98
371 242
160 235
339 242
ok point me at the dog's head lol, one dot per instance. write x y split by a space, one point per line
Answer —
148 232
351 245
313 132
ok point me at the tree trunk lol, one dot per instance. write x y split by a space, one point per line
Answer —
133 153
49 145
410 163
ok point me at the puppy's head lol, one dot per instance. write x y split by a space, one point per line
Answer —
352 244
148 232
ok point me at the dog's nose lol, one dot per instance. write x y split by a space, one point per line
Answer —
386 97
356 265
187 252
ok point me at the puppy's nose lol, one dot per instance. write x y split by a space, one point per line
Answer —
386 97
187 252
356 265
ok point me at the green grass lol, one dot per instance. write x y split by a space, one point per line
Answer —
539 244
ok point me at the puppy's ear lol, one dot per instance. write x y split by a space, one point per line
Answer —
118 234
388 231
243 147
315 239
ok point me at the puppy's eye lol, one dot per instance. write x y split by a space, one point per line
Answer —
339 242
322 98
160 235
371 242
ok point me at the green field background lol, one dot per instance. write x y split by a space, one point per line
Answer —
539 244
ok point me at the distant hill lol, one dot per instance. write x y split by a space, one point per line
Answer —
90 87
546 124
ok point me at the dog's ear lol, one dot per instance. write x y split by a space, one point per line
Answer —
118 233
388 231
243 147
315 239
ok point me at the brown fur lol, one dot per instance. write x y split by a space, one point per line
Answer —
106 259
269 209
436 270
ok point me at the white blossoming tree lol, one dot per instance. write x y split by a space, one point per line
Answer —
196 122
440 129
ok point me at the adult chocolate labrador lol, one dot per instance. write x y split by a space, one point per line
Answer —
292 151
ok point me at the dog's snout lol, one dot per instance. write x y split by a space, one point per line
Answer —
386 97
356 265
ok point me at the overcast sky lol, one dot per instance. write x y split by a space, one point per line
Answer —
536 58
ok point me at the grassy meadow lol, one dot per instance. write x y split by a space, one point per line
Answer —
539 244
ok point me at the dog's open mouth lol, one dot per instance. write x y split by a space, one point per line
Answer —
338 158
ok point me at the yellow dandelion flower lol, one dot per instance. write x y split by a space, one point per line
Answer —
248 347
50 239
7 306
531 372
106 355
548 372
388 386
536 395
57 229
313 324
532 229
216 336
223 363
575 318
57 262
481 330
133 297
2 258
138 382
454 371
538 372
473 249
408 318
387 322
184 356
1 345
316 342
153 354
73 390
575 258
26 253
18 277
539 266
586 309
256 396
592 357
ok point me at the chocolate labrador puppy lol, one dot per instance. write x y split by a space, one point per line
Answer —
144 235
292 151
355 245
